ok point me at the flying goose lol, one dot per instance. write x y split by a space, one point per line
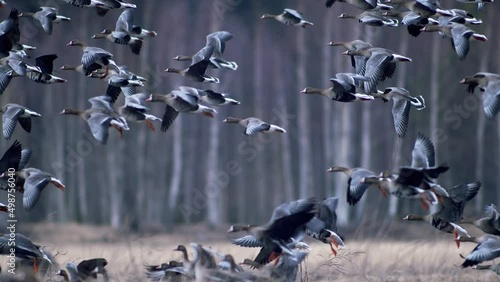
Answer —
35 181
289 17
459 34
24 248
100 116
447 218
211 97
125 23
488 248
92 56
42 72
196 72
216 40
14 113
380 64
254 125
401 104
107 5
489 84
180 101
355 187
360 4
274 235
423 8
46 17
490 223
358 62
343 89
15 158
121 38
135 110
10 35
371 18
480 3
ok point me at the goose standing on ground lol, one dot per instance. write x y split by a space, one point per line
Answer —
401 104
46 17
254 125
121 38
459 34
125 23
135 110
35 181
92 56
343 89
14 113
489 224
24 249
489 84
451 211
380 64
355 187
274 235
488 248
100 116
358 63
289 17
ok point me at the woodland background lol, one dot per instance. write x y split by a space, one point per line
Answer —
202 170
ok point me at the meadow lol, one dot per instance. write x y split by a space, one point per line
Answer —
381 258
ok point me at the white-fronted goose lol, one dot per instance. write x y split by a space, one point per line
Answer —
343 89
413 22
43 71
371 18
125 23
85 3
451 211
490 223
460 16
160 272
10 33
118 79
489 84
358 63
360 4
459 34
289 17
135 110
321 227
121 38
24 248
81 70
355 187
217 42
401 104
480 3
274 235
106 5
179 101
35 181
16 61
85 270
46 17
196 72
488 248
423 8
100 117
254 125
213 98
14 113
380 64
92 56
14 158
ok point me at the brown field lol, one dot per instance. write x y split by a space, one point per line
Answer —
434 259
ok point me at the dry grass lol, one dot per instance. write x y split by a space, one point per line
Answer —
430 260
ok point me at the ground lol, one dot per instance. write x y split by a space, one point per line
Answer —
435 258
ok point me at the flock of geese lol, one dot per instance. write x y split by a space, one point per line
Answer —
281 239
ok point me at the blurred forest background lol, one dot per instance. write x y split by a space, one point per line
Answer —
202 170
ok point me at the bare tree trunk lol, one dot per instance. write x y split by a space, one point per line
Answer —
396 154
213 189
327 107
175 180
304 123
481 120
435 80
